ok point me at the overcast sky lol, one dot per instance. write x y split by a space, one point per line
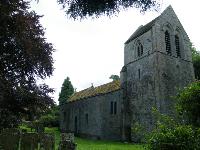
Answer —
89 51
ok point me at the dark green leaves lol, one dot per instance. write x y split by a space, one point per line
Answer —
94 8
25 57
66 91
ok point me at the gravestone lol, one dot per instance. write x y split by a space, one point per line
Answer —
67 142
67 136
29 141
67 145
9 139
47 142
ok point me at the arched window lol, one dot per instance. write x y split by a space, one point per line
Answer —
139 49
177 43
167 42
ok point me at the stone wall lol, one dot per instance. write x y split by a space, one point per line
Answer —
152 79
90 117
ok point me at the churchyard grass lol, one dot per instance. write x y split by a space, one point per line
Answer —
86 144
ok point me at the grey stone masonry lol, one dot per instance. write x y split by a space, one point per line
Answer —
153 78
157 64
91 117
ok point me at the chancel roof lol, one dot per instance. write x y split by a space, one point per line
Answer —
94 91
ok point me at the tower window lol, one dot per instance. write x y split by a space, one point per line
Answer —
177 43
139 49
138 73
167 42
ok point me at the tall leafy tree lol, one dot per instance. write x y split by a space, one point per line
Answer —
196 61
67 90
25 56
87 8
188 103
114 77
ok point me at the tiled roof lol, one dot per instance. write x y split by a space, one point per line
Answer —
93 91
141 30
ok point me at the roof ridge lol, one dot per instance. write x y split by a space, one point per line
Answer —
142 29
101 89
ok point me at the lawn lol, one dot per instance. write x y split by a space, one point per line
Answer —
86 144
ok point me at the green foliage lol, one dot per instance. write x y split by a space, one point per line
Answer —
163 119
25 57
171 134
179 137
66 91
138 131
89 8
196 62
188 103
51 118
114 77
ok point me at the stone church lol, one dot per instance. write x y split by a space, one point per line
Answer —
157 63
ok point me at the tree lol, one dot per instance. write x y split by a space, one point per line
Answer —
66 91
183 132
114 77
25 57
88 8
196 62
50 118
188 103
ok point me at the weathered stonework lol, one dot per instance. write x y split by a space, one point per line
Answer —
156 66
100 124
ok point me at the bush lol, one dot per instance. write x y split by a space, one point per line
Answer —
180 137
185 134
188 104
50 118
49 121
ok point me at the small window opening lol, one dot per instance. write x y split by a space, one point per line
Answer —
86 118
65 115
139 73
115 108
167 42
177 43
111 107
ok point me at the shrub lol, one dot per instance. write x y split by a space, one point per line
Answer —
49 120
138 130
180 137
188 104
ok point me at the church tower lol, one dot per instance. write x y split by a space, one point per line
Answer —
157 63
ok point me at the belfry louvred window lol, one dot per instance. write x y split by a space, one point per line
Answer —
177 43
139 49
167 42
